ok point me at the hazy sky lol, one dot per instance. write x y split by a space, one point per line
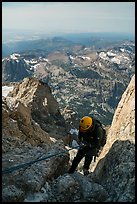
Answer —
70 16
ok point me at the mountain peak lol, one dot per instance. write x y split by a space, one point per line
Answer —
37 95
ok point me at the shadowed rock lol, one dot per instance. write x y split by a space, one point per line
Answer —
37 96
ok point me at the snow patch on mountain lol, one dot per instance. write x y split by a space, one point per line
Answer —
6 90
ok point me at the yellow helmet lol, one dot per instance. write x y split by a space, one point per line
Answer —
85 123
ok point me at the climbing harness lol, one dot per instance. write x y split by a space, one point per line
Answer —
27 164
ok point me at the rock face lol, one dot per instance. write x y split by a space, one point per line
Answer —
44 108
113 176
18 184
17 122
123 124
116 167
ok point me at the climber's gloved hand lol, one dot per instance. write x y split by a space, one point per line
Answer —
83 144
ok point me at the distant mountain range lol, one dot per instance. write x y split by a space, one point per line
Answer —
15 41
84 79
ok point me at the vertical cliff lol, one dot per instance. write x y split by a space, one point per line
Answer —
115 168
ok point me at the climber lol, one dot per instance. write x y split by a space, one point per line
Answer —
92 138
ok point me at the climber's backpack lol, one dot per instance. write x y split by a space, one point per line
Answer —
102 134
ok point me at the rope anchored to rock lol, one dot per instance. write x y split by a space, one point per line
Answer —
27 164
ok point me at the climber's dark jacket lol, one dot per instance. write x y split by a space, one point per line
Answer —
94 138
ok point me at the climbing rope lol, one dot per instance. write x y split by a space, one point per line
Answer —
27 164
